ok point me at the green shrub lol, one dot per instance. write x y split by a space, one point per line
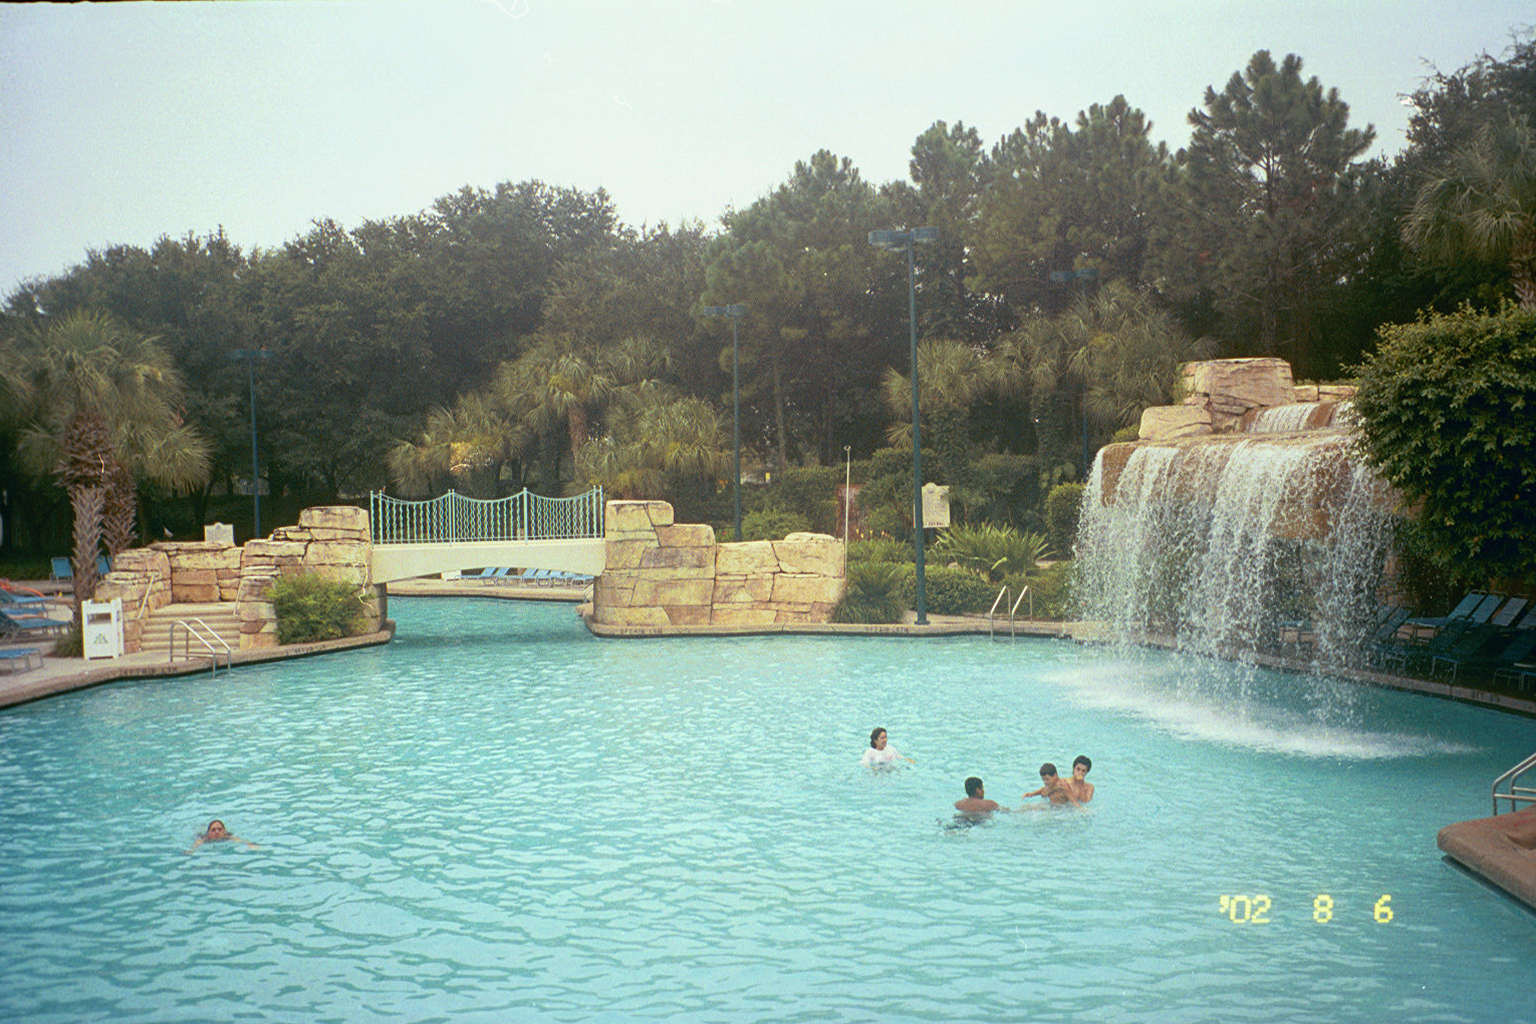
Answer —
991 551
311 608
772 524
874 594
948 591
880 549
1050 595
1062 506
1447 411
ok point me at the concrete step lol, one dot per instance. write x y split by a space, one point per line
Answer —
219 617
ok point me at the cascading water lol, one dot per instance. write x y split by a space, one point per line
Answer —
1218 544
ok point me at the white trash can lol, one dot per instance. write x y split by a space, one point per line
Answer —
103 628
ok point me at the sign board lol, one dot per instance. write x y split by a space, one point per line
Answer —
935 507
219 533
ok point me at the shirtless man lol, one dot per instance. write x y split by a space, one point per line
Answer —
976 801
1078 785
1052 788
217 833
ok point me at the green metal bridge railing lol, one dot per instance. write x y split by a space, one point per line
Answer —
456 519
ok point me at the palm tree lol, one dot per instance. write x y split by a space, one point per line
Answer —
1482 204
102 410
654 448
465 446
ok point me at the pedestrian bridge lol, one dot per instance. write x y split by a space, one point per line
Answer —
427 538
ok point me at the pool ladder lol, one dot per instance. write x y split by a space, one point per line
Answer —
1002 596
1516 794
206 636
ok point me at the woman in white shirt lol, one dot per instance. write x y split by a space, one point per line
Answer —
880 753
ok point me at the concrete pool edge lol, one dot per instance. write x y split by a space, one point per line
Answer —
63 675
1500 850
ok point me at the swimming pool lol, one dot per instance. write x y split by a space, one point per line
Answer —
497 817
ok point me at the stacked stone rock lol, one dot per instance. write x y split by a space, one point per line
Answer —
331 542
142 578
661 573
1222 396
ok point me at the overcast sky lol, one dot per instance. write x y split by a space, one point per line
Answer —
125 122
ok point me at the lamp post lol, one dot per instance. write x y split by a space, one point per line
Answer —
733 313
250 356
847 490
899 241
1083 276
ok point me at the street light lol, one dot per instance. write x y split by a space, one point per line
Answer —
1084 276
899 241
733 313
250 356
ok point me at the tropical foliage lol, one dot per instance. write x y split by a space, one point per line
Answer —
310 608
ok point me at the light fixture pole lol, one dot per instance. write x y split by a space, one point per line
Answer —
250 356
896 241
847 490
733 313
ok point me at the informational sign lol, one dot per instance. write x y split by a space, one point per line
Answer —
935 507
219 533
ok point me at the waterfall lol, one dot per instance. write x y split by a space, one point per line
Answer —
1279 419
1213 544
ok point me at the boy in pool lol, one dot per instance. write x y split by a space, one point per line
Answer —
217 833
1078 785
976 801
880 754
1052 788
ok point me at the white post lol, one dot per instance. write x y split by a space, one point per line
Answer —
847 497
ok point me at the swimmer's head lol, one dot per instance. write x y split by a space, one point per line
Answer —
874 736
1081 761
1048 770
973 787
216 829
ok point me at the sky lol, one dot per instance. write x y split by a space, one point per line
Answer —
122 123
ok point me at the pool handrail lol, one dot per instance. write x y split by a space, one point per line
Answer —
992 612
1516 794
196 627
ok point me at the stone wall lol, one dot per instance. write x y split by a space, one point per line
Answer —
661 573
331 542
1222 396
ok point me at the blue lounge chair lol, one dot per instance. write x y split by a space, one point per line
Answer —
10 656
16 599
103 565
29 624
1470 608
60 569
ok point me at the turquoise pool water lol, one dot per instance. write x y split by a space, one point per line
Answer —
498 818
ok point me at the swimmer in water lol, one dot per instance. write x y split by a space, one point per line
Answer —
1078 785
217 833
880 753
1052 788
976 801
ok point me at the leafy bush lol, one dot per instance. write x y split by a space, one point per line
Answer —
991 551
1447 410
772 524
948 591
1050 594
874 594
1062 506
880 549
312 608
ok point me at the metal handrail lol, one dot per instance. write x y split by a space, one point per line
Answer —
454 518
197 628
992 612
1516 794
1023 592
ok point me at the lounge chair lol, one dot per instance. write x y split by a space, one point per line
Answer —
1508 659
18 597
11 655
1474 607
60 569
28 624
103 565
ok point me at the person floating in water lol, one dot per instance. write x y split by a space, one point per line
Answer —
976 801
217 833
1078 785
1052 788
880 753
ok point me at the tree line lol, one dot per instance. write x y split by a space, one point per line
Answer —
523 335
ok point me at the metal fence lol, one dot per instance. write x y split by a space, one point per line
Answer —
454 519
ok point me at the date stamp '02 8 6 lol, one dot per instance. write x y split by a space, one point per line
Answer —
1258 908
